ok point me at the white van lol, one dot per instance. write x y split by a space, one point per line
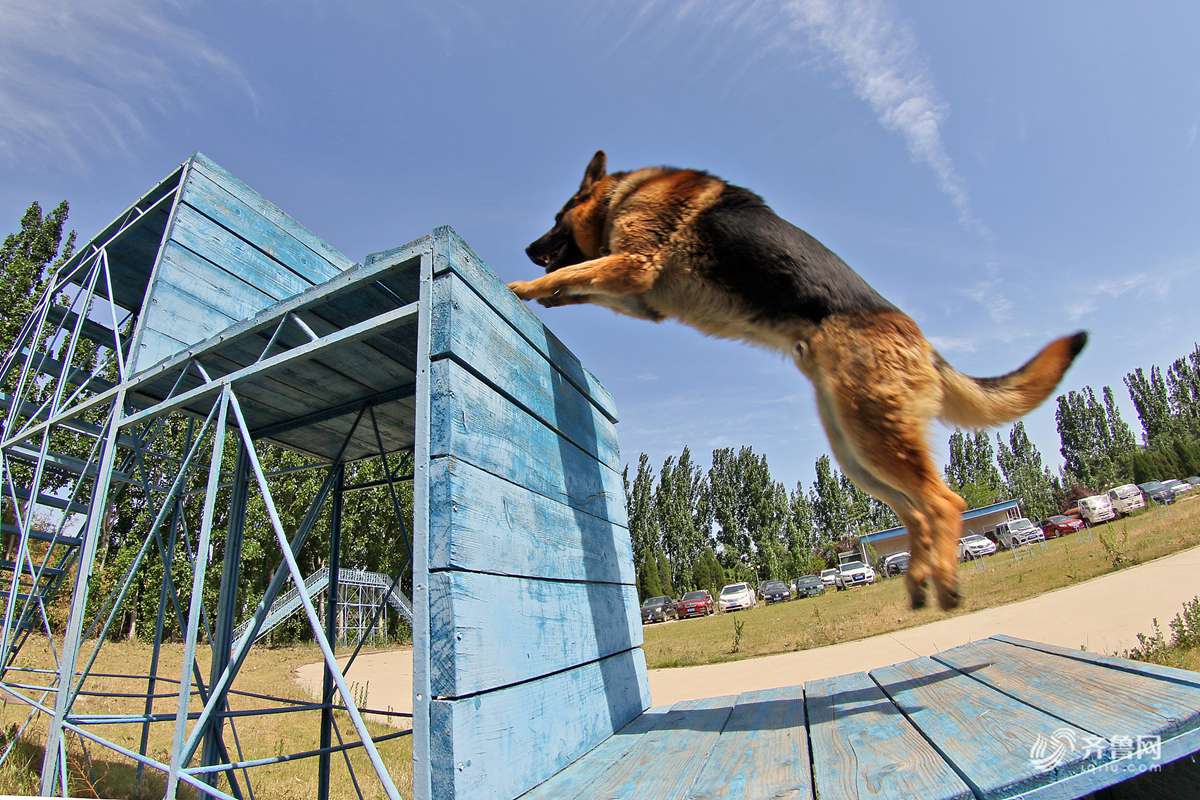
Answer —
1126 499
1096 509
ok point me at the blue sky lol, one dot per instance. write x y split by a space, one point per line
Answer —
1005 173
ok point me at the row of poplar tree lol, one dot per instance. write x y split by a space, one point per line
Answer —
699 529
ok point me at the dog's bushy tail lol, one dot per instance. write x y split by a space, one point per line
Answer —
981 402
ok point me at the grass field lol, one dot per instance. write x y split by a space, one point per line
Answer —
109 775
844 616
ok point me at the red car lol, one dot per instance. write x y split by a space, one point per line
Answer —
695 604
1061 525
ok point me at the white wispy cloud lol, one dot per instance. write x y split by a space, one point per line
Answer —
990 293
953 344
879 55
873 49
84 78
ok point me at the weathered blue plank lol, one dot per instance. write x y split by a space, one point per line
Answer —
762 752
572 783
546 626
471 331
474 423
500 744
452 253
481 522
1144 668
683 742
863 747
988 736
156 346
229 252
213 201
214 286
183 315
235 186
1108 702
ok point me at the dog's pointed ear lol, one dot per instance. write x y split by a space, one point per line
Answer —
595 170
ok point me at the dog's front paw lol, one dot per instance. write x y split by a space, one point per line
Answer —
523 289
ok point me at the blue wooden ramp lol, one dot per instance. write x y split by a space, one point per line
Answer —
997 718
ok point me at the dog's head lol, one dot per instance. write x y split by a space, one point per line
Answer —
576 234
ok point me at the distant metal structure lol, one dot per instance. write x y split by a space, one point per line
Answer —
356 616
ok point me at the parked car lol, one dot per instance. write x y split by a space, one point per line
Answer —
775 591
809 586
695 604
1157 492
854 573
1061 525
658 609
736 596
1178 486
1126 499
1096 509
1019 532
829 577
894 564
975 545
1194 480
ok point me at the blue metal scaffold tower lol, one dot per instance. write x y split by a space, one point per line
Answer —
202 308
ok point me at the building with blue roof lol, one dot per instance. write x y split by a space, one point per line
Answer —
873 546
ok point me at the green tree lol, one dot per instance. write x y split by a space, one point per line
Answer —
831 503
27 260
1152 402
1025 476
681 503
1092 455
639 504
649 584
664 575
971 470
1183 388
729 509
708 573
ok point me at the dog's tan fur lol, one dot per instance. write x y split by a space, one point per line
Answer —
878 380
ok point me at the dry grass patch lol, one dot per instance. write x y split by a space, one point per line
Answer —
99 772
1003 578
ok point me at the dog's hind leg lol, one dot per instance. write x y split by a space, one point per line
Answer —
876 375
920 538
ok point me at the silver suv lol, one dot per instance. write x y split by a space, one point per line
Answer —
1018 533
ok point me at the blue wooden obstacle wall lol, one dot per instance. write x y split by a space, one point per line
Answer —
228 254
533 654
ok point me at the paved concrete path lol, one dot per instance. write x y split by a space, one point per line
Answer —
1104 615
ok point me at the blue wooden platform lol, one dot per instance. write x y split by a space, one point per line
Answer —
962 724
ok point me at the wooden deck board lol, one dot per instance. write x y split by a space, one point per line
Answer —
667 760
985 734
762 750
863 747
1104 701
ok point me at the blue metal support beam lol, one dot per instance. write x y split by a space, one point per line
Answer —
331 605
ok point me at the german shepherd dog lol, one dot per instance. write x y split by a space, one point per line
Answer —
664 242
